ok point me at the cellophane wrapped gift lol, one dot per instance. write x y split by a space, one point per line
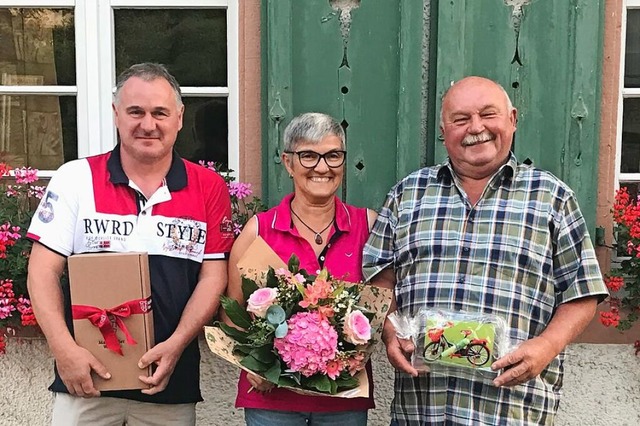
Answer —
458 343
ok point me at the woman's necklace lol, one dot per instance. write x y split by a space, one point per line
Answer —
318 238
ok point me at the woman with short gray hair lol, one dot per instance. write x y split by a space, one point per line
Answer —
322 231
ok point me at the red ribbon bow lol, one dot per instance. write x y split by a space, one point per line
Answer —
101 319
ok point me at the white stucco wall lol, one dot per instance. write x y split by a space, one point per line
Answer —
602 387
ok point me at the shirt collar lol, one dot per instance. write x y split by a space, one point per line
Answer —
508 169
282 220
176 178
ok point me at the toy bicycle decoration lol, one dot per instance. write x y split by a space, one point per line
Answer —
475 350
446 339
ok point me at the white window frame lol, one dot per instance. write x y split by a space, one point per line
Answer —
95 69
625 93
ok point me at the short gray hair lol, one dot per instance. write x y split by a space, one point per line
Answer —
311 127
148 71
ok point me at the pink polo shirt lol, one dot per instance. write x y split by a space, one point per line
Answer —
343 258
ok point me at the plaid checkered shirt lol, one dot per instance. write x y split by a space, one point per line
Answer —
521 251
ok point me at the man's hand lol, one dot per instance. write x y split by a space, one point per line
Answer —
165 356
398 350
74 366
259 384
525 362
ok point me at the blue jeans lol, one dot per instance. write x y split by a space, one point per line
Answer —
255 417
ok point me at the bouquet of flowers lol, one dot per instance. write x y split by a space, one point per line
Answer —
303 331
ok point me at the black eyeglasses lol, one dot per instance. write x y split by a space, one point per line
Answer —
310 159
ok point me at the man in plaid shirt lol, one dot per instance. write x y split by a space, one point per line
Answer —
482 233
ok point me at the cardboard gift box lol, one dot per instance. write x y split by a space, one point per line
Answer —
254 264
111 305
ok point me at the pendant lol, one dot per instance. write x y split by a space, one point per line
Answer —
319 239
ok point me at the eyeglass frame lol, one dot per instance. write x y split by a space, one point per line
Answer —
320 157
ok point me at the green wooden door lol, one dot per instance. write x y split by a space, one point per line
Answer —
547 55
349 64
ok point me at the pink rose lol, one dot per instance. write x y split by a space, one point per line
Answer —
357 329
260 300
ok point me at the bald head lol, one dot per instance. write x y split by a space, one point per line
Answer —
473 81
478 122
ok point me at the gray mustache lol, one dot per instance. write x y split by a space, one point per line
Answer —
146 135
479 138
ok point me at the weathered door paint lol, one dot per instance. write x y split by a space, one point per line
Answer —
348 62
547 55
364 65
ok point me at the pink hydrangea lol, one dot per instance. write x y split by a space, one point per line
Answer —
310 344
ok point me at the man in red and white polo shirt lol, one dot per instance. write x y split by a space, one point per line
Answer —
139 197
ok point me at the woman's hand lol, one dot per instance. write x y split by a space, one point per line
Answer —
258 383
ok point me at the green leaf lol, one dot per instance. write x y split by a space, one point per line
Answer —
339 289
273 373
319 382
248 287
294 264
290 378
234 333
241 349
334 387
254 365
251 344
264 354
345 382
235 312
301 289
272 280
276 315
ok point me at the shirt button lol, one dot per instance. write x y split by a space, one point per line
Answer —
144 213
461 280
322 258
465 249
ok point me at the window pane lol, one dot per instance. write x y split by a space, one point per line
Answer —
204 133
37 47
633 188
630 159
632 52
38 131
192 43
